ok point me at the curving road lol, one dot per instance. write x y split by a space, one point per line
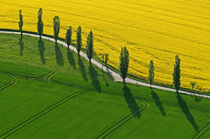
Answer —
115 75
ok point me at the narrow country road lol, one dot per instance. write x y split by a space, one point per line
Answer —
115 75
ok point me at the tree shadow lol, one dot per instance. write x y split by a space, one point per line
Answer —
82 69
198 99
71 59
94 77
59 56
108 74
21 44
187 113
130 100
41 51
107 77
158 102
104 78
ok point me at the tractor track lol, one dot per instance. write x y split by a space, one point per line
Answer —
202 131
12 82
124 120
40 114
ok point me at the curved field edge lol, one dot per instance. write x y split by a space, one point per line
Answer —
121 122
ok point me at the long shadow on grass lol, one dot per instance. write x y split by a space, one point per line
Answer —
59 56
130 100
187 112
107 77
21 44
110 77
94 77
82 69
71 59
158 102
198 99
41 51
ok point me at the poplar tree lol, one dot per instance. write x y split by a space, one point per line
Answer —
151 72
79 39
56 27
106 59
40 24
68 36
21 22
89 46
124 63
193 84
176 74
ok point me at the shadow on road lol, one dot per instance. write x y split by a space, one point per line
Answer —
71 59
187 113
158 102
59 56
130 100
21 44
82 69
41 51
94 77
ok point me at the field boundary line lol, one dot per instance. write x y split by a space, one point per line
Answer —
124 120
49 76
114 74
12 81
71 85
40 114
45 78
202 131
23 75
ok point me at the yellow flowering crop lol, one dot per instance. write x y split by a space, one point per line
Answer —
151 29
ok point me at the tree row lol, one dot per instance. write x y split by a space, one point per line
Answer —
124 54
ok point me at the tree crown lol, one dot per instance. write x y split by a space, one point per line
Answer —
151 72
89 46
176 74
68 35
56 26
124 62
79 39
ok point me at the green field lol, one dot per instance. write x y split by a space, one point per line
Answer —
5 80
47 91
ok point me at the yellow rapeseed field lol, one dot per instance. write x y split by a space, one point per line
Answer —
151 29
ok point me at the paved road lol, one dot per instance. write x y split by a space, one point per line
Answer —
115 75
